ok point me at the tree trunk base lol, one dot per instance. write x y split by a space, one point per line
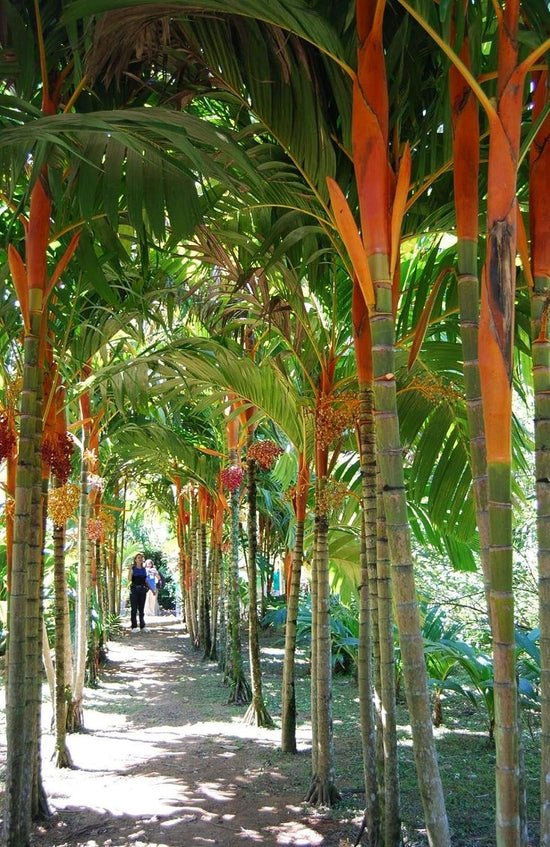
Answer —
322 793
62 758
258 716
241 694
437 715
75 717
44 811
373 835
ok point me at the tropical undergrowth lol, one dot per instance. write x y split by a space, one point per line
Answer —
465 750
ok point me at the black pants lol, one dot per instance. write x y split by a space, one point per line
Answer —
138 595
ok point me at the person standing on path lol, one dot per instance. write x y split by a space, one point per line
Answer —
153 581
137 577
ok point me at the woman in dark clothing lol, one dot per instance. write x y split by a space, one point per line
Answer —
138 591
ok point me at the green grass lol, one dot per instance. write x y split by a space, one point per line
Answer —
466 756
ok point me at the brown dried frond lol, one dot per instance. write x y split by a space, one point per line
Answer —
141 35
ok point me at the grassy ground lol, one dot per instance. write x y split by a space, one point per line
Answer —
466 755
156 687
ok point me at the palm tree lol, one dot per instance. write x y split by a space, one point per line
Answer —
540 239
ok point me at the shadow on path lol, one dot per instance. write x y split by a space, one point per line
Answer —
165 761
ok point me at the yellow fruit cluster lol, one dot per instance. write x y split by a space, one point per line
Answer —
63 502
94 530
108 521
330 496
333 416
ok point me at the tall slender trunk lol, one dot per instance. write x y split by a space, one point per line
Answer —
388 694
381 203
466 153
75 717
35 614
368 693
23 670
288 722
205 631
223 615
496 365
191 582
62 755
403 581
371 817
539 213
313 664
323 791
240 692
257 713
367 699
215 571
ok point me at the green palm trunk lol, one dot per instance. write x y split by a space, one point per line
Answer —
215 559
36 632
240 690
504 655
223 615
62 754
367 700
403 581
314 586
21 715
288 720
388 694
468 294
204 594
539 217
191 583
75 717
466 147
257 713
541 380
323 791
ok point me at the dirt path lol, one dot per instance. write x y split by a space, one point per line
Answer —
164 760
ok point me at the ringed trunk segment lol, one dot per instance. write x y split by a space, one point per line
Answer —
466 155
323 791
240 693
403 581
369 647
288 720
374 184
539 214
496 363
19 720
257 713
387 695
368 698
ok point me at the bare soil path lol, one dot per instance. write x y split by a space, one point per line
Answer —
164 760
